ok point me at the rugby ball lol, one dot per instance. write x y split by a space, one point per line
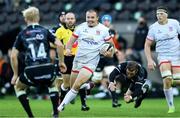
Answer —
106 47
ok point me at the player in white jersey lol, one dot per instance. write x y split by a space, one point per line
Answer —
165 33
90 36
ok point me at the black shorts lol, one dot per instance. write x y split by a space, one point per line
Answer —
38 75
104 61
68 60
21 63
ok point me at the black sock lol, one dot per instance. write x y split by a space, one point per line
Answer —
54 100
82 93
25 103
63 93
114 97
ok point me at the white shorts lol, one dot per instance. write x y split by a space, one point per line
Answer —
174 60
77 66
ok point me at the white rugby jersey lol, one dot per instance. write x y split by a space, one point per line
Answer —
166 37
90 40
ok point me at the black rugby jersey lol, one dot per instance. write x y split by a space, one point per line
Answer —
34 42
120 73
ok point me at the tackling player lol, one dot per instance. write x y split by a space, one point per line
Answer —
134 75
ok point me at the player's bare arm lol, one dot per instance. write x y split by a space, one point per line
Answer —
151 63
14 64
60 50
69 45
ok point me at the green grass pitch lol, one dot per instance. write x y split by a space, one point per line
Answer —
10 107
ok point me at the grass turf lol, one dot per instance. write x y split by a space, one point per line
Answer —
10 107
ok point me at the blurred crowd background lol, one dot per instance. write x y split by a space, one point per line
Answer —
130 19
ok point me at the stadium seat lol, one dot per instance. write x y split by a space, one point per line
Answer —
131 6
51 9
144 6
124 16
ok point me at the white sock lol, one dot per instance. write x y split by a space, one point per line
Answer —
169 97
69 97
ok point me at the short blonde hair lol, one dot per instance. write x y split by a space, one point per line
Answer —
31 14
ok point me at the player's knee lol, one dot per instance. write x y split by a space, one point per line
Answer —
166 74
19 92
167 81
66 85
18 87
76 86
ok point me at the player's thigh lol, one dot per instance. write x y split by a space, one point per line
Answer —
58 83
165 69
73 78
83 76
165 66
66 79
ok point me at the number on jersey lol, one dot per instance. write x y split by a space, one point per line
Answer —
41 53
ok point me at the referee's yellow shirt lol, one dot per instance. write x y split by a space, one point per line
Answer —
64 35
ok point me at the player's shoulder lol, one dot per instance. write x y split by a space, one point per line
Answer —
84 24
173 21
122 64
100 25
81 26
154 25
40 27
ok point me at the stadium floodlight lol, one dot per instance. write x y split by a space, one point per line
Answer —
137 15
68 6
118 6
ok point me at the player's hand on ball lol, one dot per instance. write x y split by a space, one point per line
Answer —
108 53
107 49
127 98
